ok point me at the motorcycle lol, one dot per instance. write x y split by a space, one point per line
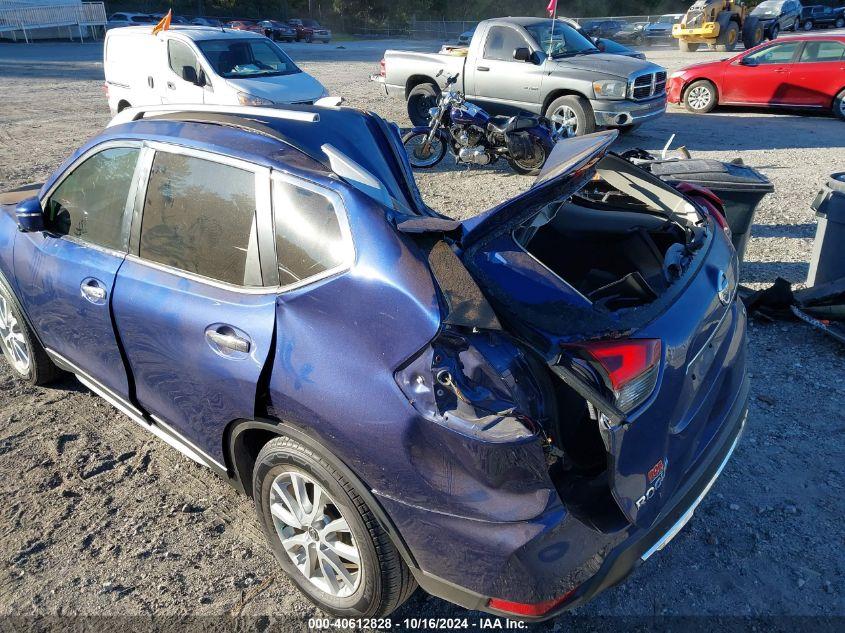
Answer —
475 137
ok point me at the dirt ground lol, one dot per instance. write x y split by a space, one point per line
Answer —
98 518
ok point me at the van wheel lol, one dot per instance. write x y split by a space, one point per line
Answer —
421 99
324 535
839 105
571 115
18 344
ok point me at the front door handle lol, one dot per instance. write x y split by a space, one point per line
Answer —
225 338
483 69
94 291
171 85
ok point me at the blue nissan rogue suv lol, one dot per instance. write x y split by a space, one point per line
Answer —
512 411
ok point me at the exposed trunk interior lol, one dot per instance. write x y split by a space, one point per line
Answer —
615 254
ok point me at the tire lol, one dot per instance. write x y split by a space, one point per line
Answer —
753 32
378 584
695 97
572 106
421 99
840 22
728 38
19 346
775 32
839 105
533 167
309 39
421 160
687 47
808 25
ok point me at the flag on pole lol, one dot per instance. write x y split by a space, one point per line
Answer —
164 24
552 7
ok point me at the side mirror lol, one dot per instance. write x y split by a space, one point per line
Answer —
189 74
30 216
745 61
522 54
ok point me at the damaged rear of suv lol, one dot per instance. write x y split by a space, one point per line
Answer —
511 412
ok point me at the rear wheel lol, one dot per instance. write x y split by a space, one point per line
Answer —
808 25
19 346
700 96
571 115
309 38
728 38
839 105
324 534
752 32
421 99
840 22
422 153
530 165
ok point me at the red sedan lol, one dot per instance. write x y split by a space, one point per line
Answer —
796 72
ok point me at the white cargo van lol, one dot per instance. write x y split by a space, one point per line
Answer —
200 64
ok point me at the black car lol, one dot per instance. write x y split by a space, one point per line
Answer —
820 15
279 31
777 16
603 28
631 33
603 44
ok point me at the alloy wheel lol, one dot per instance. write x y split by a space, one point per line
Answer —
841 105
12 339
564 122
314 534
699 98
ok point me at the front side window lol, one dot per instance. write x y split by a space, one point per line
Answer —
199 217
822 52
501 43
90 203
254 57
777 54
559 39
309 238
181 55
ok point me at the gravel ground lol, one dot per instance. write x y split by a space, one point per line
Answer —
100 519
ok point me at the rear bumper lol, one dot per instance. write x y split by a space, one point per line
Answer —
624 112
533 562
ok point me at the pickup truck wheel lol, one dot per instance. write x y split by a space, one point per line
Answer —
421 99
19 346
324 534
700 96
839 105
571 115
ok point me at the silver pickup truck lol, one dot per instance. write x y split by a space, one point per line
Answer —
536 65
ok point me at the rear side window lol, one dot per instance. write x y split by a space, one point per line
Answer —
181 55
90 203
822 52
199 217
310 240
501 43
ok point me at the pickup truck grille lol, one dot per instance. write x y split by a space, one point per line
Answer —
647 86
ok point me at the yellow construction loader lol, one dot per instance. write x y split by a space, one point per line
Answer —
720 24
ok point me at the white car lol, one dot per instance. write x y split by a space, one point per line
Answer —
129 19
197 64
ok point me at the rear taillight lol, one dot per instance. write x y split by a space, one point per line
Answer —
381 68
532 609
630 367
710 202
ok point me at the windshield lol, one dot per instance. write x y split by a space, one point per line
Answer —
238 59
769 7
559 39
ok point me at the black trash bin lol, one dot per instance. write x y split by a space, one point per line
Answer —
828 260
740 187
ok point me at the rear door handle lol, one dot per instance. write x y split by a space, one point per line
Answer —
171 85
225 338
483 69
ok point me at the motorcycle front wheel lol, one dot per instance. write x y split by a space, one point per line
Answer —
530 165
421 153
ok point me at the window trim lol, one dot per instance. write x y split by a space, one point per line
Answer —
131 196
342 214
262 213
